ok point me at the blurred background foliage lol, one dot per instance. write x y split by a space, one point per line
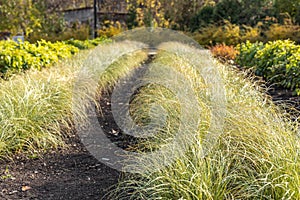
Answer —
209 21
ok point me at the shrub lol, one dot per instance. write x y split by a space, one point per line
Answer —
251 34
16 57
224 53
77 32
80 44
213 34
87 44
229 34
277 62
247 52
283 32
110 29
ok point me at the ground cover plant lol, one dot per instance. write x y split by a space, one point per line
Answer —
277 62
255 157
17 57
87 44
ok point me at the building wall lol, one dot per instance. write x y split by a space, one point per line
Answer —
114 10
112 6
83 15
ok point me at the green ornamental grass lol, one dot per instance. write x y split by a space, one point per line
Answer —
255 156
36 110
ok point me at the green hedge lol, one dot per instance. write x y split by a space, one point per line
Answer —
87 44
16 57
277 62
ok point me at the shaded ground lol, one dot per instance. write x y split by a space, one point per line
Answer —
68 174
281 95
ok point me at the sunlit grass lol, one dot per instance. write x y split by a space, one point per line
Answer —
34 106
255 156
36 110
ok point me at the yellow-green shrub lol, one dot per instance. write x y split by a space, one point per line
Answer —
283 32
277 62
110 29
87 44
16 57
228 33
77 32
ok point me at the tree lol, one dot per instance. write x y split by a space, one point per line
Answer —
180 13
291 7
148 12
32 17
19 16
204 17
248 12
175 14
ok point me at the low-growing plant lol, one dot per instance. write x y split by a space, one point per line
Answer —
283 32
224 53
247 52
251 34
110 28
87 44
36 110
277 62
76 32
228 33
213 34
17 57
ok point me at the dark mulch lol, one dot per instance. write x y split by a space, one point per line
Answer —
63 174
284 96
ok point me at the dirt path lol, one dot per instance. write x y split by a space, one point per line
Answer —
66 174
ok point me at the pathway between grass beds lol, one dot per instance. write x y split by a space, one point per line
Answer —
67 173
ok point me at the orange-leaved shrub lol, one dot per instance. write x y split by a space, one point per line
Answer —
224 52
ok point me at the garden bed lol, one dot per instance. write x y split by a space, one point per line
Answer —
73 173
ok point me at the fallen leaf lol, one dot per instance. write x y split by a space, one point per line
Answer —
25 188
13 192
115 132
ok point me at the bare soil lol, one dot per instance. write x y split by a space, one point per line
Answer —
64 174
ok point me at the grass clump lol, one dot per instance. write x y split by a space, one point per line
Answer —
36 108
256 155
